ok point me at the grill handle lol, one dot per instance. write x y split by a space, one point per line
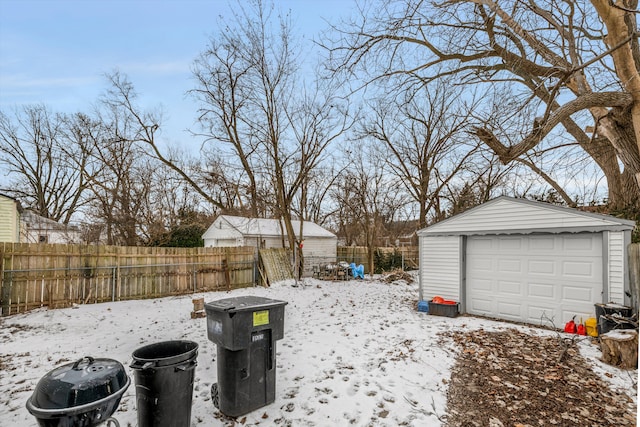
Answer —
77 363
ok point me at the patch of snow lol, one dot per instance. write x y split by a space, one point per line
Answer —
354 353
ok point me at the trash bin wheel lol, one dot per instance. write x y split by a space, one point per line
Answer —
215 397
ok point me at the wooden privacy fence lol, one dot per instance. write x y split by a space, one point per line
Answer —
38 275
358 255
634 274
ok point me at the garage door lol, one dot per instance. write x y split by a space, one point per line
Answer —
527 278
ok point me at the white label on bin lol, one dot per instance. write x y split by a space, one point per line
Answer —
216 327
261 318
257 337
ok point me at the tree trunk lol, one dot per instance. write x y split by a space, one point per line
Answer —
620 348
620 23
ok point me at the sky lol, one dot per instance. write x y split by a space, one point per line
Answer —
56 52
353 353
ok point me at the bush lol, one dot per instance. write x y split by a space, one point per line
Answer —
385 262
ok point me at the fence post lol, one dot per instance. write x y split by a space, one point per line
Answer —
195 279
227 276
113 283
7 285
634 274
3 285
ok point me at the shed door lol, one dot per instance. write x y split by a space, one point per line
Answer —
525 278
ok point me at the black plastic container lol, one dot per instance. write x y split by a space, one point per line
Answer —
164 375
610 322
245 330
446 310
610 309
80 394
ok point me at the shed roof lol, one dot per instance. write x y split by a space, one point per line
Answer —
254 227
508 215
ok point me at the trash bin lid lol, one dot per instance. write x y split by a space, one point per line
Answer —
244 303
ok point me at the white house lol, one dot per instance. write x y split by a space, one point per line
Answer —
521 260
9 219
38 229
229 230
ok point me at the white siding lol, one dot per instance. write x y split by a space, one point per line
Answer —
8 220
440 267
505 214
272 242
617 265
221 230
317 247
220 242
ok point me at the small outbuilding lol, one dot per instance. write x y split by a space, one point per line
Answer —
526 261
228 230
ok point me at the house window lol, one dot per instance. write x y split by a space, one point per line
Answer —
43 238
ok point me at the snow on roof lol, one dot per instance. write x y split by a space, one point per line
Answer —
38 222
272 227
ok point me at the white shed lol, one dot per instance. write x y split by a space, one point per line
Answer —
229 230
521 260
38 229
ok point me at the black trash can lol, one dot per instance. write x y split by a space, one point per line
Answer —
163 375
604 325
245 330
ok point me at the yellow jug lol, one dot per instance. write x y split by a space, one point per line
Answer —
591 324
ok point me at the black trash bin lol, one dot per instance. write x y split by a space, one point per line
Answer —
163 375
245 330
608 314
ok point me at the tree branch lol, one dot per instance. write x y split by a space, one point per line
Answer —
541 130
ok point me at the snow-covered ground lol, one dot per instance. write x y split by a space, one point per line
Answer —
353 353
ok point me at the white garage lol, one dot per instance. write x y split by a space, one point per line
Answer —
526 261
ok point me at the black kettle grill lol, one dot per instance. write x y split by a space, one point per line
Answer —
80 394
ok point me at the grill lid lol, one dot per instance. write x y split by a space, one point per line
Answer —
80 383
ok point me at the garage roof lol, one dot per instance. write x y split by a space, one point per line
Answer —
508 215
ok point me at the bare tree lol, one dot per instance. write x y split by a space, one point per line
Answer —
141 127
564 58
424 142
222 73
252 114
47 156
368 198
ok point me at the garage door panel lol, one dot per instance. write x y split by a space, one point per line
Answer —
581 269
539 243
542 267
481 243
482 306
481 264
509 244
509 266
542 290
537 313
484 284
509 310
577 294
584 244
507 287
528 276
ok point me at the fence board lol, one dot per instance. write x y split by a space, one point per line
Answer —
37 275
634 274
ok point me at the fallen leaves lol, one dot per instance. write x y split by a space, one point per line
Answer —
512 378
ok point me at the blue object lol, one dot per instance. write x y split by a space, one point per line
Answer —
423 306
358 272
